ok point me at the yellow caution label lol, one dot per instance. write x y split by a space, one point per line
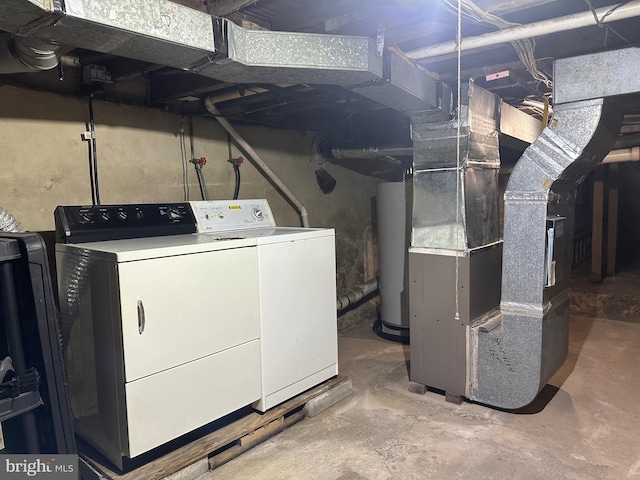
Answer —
234 207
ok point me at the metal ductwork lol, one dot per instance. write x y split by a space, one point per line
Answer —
455 253
169 34
356 63
160 32
19 51
27 54
514 353
488 324
262 56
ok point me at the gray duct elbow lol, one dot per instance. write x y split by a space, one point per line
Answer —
27 54
515 353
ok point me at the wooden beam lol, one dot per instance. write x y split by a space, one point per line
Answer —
612 226
220 8
597 233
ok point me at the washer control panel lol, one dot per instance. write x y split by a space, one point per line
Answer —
76 224
222 215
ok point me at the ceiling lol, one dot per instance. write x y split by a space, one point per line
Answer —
404 25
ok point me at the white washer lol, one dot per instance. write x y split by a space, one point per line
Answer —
297 291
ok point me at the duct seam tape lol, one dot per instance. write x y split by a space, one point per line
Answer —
74 7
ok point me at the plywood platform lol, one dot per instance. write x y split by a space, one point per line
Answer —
220 446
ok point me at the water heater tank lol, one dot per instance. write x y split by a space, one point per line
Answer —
394 202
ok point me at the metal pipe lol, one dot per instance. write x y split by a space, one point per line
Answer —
258 162
356 294
71 61
371 152
620 11
623 155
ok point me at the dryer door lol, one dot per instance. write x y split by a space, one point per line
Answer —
181 308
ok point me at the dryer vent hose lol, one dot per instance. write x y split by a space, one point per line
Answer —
8 223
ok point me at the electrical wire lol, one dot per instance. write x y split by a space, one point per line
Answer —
458 174
606 26
524 48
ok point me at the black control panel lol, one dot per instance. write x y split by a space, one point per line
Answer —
79 224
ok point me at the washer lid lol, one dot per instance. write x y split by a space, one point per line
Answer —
265 236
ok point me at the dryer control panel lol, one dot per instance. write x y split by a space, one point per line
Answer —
223 215
77 224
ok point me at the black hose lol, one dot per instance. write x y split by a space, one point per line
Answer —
236 192
94 150
236 168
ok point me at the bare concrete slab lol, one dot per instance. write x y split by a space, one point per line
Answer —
583 425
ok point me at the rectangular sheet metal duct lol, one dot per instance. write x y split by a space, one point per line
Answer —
159 31
165 33
19 16
406 87
260 56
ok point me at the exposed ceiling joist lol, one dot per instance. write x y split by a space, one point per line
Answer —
220 8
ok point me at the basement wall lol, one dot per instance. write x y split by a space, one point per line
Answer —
44 163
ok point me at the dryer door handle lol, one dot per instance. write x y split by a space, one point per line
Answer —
141 317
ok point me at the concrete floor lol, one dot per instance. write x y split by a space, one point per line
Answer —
583 426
